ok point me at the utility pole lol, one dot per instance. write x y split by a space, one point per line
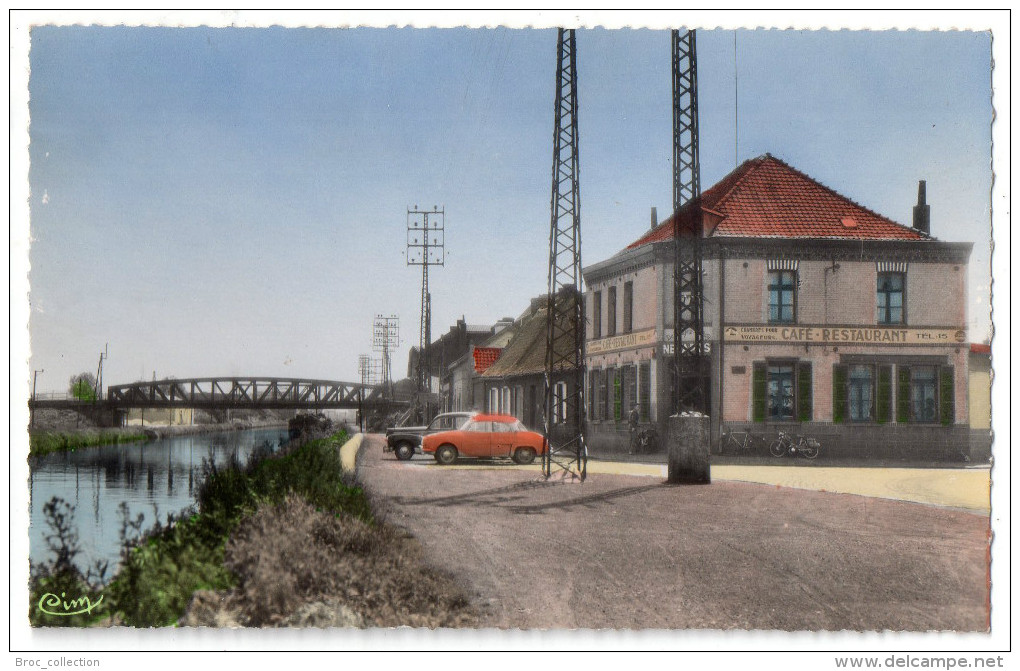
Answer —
35 377
99 373
425 247
690 378
364 368
386 338
565 325
688 458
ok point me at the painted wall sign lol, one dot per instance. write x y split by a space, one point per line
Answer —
625 341
844 334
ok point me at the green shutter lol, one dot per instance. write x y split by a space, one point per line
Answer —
758 392
884 405
947 405
804 392
903 394
839 373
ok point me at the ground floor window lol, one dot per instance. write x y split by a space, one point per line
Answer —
869 392
924 403
645 390
861 394
781 391
617 395
630 388
608 384
560 403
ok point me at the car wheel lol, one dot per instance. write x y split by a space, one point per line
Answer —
524 455
404 451
446 454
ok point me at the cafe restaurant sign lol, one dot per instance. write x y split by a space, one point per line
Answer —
844 334
625 341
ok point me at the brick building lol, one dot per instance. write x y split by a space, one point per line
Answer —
821 317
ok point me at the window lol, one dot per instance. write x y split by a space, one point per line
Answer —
608 383
505 401
780 392
493 399
560 403
628 307
890 298
611 312
618 395
629 389
782 305
861 394
923 394
645 390
596 316
593 390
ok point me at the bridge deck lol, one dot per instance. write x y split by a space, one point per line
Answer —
252 393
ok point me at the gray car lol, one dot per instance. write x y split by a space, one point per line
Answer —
404 441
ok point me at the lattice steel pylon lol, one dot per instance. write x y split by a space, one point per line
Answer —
385 339
691 372
565 332
425 247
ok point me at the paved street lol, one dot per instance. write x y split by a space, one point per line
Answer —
622 550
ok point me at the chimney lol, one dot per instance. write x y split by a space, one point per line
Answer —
655 218
922 211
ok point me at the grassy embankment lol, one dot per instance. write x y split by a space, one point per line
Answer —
159 572
286 540
45 442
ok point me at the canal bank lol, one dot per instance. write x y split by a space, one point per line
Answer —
289 540
43 441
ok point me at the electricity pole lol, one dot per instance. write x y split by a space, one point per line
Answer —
385 338
365 371
35 377
690 378
425 247
565 325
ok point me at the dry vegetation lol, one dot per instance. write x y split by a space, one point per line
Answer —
298 566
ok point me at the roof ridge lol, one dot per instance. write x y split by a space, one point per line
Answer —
757 160
843 197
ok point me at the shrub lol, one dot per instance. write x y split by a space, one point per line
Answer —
160 572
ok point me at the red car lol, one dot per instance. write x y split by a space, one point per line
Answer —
486 436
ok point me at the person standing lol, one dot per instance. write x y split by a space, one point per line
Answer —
632 419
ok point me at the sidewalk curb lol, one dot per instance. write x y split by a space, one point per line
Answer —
349 453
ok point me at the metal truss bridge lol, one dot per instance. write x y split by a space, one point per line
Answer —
238 392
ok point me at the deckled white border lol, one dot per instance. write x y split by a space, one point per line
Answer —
23 637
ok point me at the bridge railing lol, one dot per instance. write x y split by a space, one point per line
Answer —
245 393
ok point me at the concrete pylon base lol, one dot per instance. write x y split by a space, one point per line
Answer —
688 451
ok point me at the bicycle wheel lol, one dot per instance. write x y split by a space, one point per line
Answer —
777 448
808 448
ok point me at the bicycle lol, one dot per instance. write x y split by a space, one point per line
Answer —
647 441
749 441
785 444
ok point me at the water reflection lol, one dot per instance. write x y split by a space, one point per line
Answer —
97 480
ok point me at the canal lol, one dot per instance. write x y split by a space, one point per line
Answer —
160 475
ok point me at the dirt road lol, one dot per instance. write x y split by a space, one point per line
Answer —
626 552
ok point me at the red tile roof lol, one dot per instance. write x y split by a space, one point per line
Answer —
766 198
485 357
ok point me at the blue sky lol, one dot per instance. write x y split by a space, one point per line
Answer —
232 201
